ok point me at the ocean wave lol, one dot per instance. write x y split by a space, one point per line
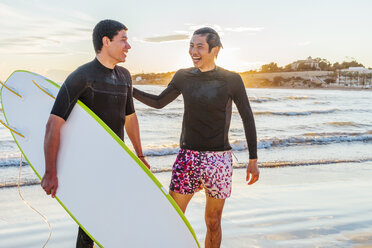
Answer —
297 98
306 139
161 151
296 113
278 164
343 123
22 183
268 164
352 135
11 158
160 113
240 145
262 99
270 99
7 144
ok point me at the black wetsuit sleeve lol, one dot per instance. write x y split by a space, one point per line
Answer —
68 94
129 108
242 103
166 97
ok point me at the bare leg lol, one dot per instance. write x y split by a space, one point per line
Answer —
181 200
213 213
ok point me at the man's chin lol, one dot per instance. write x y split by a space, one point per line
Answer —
197 65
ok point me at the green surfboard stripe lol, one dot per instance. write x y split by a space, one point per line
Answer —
121 143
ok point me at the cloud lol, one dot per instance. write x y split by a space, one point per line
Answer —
244 29
185 34
304 43
43 53
221 30
231 49
214 26
26 41
29 33
166 38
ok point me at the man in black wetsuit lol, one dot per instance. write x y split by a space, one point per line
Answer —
204 159
103 87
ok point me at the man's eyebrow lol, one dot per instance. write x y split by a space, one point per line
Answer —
200 43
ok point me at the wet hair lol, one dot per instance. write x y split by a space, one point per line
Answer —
108 28
213 39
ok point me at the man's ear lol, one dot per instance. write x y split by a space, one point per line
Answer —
105 41
216 50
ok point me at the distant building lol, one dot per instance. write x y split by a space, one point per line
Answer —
361 70
355 76
309 62
139 78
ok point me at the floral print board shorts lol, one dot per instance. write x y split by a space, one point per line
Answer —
194 168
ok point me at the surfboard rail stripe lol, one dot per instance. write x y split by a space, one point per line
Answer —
43 90
11 90
12 129
121 143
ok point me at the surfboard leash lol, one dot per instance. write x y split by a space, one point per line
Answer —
45 219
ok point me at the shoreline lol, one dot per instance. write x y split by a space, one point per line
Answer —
279 87
316 88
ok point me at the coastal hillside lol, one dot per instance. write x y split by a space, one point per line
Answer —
308 73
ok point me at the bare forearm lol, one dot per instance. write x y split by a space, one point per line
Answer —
132 129
51 144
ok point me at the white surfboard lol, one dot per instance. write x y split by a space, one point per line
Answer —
102 185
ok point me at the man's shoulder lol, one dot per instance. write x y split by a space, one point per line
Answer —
81 71
227 73
125 74
122 69
185 70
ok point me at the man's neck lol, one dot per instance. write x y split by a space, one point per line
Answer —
106 62
210 67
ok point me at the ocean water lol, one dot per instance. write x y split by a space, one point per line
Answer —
294 128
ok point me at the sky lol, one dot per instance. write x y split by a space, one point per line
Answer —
53 37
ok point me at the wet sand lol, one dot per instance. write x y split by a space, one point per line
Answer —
305 206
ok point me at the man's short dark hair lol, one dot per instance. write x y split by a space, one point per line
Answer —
108 28
213 39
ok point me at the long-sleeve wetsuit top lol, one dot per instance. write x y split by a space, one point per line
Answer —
107 92
208 100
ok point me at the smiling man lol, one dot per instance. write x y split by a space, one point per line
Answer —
204 159
106 89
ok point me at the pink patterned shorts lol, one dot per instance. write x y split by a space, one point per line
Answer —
194 168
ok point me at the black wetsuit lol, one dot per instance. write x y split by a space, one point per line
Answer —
107 92
208 100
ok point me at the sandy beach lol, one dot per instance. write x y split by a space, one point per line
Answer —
317 192
306 206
